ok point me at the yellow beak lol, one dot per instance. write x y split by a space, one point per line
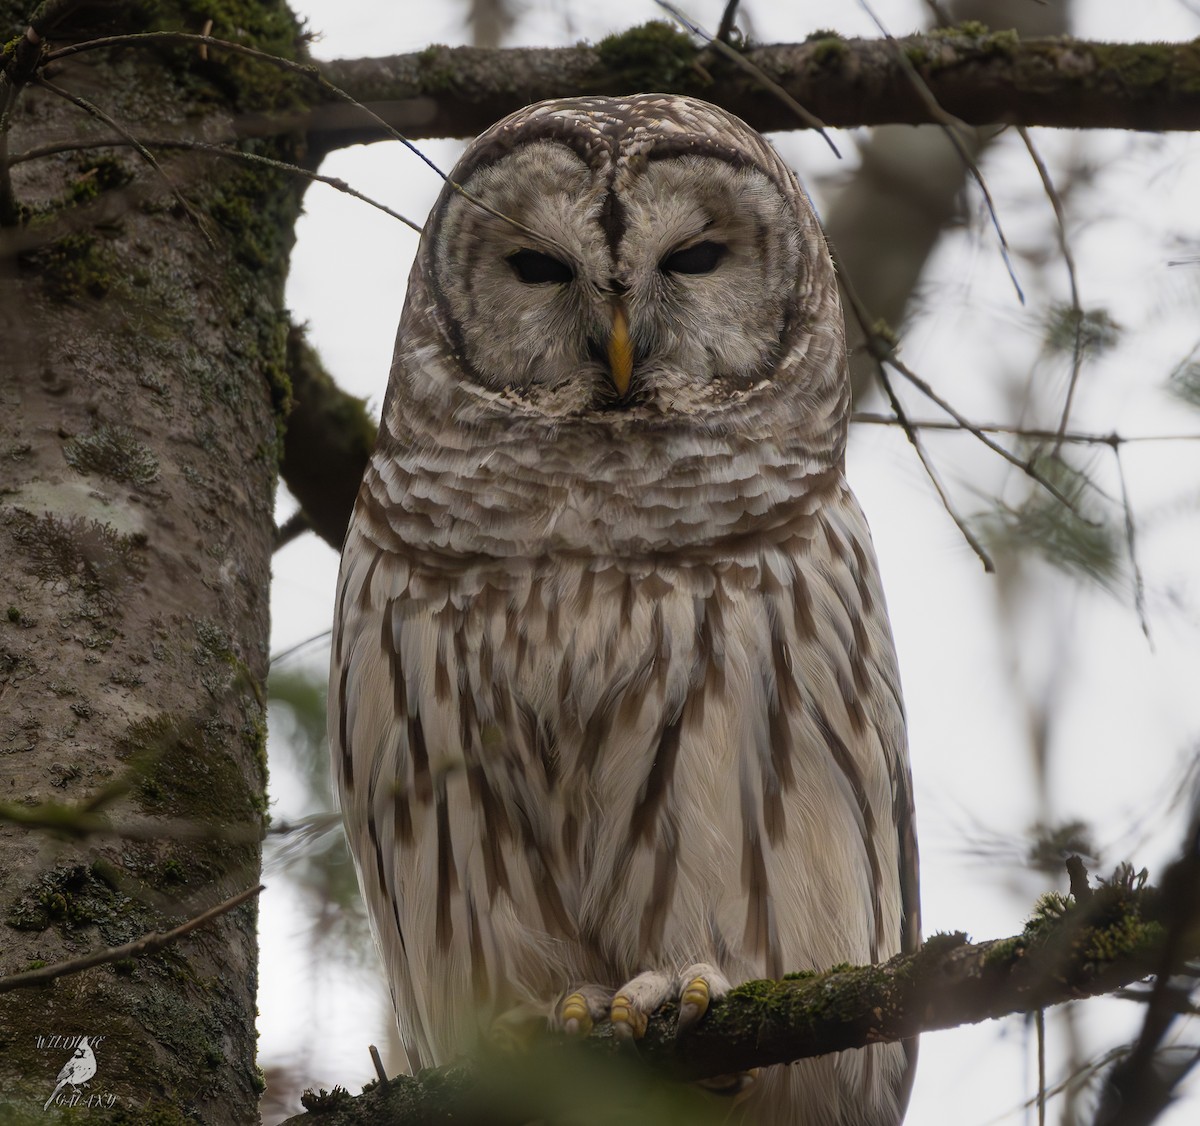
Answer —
620 350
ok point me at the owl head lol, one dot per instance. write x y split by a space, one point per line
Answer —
644 261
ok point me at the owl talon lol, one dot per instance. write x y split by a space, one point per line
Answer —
699 986
574 1017
578 1012
693 1002
628 1021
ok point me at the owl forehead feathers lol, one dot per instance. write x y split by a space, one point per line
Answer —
619 135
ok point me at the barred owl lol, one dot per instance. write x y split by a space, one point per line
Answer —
614 711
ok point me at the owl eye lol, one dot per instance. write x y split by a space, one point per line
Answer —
699 259
535 268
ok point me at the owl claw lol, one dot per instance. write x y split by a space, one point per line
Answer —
699 986
628 1021
577 1013
693 1003
574 1017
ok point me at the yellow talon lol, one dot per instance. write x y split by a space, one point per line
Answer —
628 1023
575 1017
695 997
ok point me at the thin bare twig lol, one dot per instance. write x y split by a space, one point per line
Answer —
147 944
727 52
312 73
869 335
1139 586
725 27
95 111
882 347
1072 277
1026 465
378 1063
85 821
218 150
870 419
1039 1019
291 649
931 473
950 125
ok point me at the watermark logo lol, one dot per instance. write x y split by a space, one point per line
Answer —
76 1073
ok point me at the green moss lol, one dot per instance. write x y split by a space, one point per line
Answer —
74 266
13 614
184 770
172 871
259 239
654 56
113 452
248 84
942 943
70 897
754 991
970 39
827 51
1005 43
1140 66
973 29
436 66
326 1102
1001 953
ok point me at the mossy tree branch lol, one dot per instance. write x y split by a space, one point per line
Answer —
328 440
1074 947
978 76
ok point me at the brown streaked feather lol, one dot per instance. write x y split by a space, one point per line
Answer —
657 785
844 760
447 873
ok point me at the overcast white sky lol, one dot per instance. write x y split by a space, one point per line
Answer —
1129 715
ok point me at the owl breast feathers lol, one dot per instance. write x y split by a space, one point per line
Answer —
614 711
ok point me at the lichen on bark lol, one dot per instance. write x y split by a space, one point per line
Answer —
144 340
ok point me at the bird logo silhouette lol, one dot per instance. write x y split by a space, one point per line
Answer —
76 1071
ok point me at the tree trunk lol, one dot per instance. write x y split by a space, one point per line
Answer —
142 341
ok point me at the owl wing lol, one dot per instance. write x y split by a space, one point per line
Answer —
378 753
431 842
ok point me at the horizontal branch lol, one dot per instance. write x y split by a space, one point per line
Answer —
981 77
1073 948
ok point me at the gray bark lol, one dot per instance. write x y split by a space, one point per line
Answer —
141 359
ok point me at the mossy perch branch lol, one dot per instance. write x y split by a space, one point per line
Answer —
978 76
1071 949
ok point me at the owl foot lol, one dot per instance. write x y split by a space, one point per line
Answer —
695 989
578 1012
